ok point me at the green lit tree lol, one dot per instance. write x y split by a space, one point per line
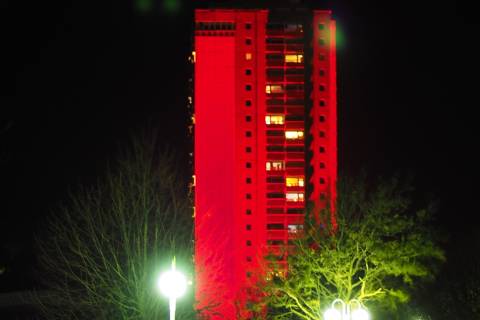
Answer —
101 253
378 252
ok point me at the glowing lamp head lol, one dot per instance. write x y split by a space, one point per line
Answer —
360 314
332 314
172 284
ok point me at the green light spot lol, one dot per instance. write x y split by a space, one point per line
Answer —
143 5
171 6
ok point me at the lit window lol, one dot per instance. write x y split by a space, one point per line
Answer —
295 228
275 165
294 196
274 119
294 135
294 58
193 57
248 56
273 88
294 182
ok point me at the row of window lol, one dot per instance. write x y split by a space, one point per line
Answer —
279 88
280 165
287 58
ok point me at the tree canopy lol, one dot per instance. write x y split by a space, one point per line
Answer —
382 246
101 252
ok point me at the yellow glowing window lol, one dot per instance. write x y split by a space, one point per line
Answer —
294 196
194 57
294 58
294 135
273 88
275 165
274 119
248 56
294 182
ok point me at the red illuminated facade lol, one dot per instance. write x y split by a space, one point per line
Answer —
265 143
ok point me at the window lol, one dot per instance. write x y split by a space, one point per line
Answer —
293 135
294 196
274 226
248 41
275 195
322 150
294 182
248 103
321 42
248 26
321 103
321 57
273 88
321 26
274 119
248 212
248 87
321 73
248 72
248 165
248 56
294 228
294 58
275 179
249 274
248 196
249 259
323 196
321 118
249 243
248 134
321 134
322 181
248 149
321 87
248 118
275 165
322 165
248 180
248 227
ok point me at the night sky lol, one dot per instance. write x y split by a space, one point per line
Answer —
80 77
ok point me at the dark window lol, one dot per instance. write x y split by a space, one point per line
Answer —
275 133
248 165
248 212
321 72
294 87
248 26
249 274
248 180
248 196
294 164
249 243
274 148
322 149
321 87
275 195
274 56
248 134
248 87
275 242
248 149
249 259
248 72
275 179
321 118
248 103
321 41
321 103
323 195
322 165
248 41
322 181
248 118
298 71
321 134
275 72
274 40
275 226
294 149
248 227
294 118
321 26
295 210
321 57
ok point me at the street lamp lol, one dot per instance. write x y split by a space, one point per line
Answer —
352 310
173 285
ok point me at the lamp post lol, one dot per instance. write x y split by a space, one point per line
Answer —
173 285
351 310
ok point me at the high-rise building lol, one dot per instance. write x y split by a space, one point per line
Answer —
265 143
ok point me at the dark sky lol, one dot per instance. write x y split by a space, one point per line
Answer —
81 76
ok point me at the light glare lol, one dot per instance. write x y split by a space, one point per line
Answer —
332 314
360 314
172 284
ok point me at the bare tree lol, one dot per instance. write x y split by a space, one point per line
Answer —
101 253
